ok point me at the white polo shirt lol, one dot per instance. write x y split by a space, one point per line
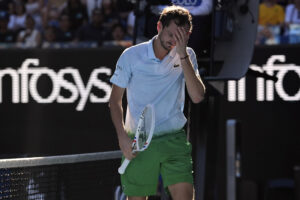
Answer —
149 80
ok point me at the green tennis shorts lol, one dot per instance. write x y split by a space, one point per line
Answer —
168 156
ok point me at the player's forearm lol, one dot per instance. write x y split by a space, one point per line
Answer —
194 84
125 142
116 112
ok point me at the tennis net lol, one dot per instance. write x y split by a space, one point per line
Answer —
67 177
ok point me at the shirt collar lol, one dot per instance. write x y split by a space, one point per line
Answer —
151 54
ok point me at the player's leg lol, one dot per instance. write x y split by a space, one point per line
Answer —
181 191
176 167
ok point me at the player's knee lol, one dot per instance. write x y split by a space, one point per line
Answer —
181 191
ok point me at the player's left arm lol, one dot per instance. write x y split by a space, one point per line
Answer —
194 84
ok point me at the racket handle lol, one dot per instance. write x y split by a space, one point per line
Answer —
123 167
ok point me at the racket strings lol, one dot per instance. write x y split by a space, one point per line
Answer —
142 136
144 129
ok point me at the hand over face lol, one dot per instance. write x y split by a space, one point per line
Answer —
181 38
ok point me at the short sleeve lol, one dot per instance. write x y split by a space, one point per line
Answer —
122 74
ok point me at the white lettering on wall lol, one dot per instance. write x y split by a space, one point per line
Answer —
27 77
266 89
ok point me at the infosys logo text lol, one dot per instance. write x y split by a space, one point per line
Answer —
25 80
266 89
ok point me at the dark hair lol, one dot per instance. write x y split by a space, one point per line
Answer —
178 14
114 26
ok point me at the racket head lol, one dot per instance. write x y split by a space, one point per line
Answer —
145 128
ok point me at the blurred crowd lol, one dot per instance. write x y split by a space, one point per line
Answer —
279 22
92 23
64 23
95 23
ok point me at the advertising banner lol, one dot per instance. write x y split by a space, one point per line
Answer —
56 101
267 103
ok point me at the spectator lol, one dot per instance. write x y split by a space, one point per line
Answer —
91 5
271 21
77 13
292 13
118 37
140 32
292 22
268 35
17 20
33 8
118 33
64 32
6 36
49 37
58 5
130 23
270 13
52 11
123 9
30 37
52 18
93 31
110 16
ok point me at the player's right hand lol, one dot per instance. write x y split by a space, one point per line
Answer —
125 144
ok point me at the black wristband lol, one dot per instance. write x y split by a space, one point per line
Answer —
184 57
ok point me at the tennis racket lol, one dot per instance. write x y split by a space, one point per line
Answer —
143 134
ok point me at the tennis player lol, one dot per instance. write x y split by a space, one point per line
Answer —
156 72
